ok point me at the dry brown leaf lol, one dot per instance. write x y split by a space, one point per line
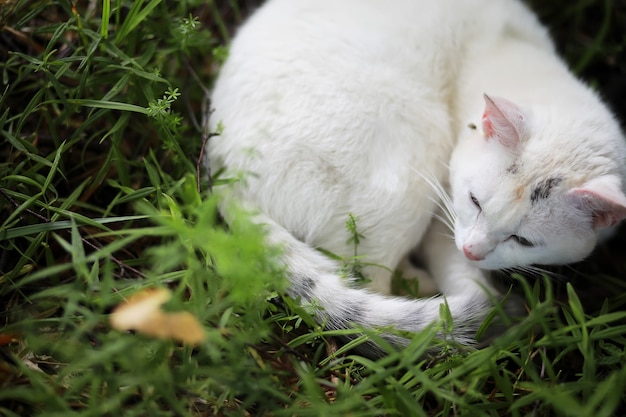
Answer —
142 312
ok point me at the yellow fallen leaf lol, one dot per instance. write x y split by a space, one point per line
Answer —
139 308
142 312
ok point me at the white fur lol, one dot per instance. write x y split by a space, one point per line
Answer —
355 107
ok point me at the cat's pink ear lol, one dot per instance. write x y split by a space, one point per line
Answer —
503 120
603 198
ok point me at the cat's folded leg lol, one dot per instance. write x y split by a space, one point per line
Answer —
379 279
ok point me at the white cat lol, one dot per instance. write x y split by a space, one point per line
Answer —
377 109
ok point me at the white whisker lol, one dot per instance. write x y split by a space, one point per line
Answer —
444 203
446 221
532 271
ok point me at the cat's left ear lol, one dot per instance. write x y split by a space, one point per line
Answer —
603 199
504 121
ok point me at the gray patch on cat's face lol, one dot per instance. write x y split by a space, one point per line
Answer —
543 189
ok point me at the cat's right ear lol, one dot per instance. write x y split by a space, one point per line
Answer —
503 121
603 199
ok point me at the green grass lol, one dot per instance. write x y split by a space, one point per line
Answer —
101 119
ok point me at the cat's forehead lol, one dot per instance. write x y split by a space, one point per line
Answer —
538 175
529 187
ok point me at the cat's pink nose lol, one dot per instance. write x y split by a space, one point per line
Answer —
470 255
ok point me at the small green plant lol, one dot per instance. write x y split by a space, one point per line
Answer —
355 265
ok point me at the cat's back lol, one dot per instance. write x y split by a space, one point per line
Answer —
316 60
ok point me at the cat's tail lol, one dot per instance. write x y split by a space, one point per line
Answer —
316 281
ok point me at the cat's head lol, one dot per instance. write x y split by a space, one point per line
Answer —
533 188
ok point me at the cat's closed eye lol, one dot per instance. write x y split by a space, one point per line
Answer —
475 202
522 241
